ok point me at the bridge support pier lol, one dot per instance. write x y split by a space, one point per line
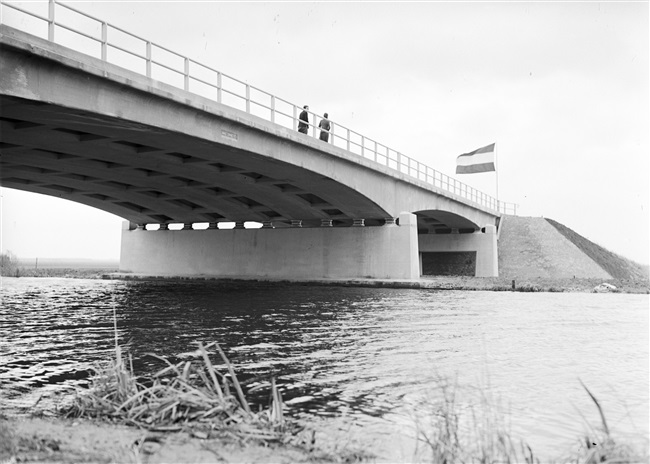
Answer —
300 253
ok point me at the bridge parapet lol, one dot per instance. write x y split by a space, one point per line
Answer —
140 55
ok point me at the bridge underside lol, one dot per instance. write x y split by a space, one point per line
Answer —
149 175
153 154
119 167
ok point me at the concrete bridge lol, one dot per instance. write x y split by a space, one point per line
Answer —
87 130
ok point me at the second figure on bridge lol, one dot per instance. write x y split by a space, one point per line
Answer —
325 128
303 123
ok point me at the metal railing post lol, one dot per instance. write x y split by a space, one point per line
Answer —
248 98
149 59
348 140
104 41
272 108
295 117
218 87
50 21
186 74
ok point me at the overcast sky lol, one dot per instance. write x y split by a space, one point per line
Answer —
561 87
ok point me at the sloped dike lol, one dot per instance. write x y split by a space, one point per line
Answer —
531 247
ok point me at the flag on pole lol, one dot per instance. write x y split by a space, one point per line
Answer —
481 160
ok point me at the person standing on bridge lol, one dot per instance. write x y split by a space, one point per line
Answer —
303 125
324 128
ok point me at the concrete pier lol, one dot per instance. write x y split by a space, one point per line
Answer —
385 252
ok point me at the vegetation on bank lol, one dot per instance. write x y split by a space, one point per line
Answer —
502 284
452 432
192 393
202 397
11 266
205 401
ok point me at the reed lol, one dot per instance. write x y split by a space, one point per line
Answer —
190 393
598 445
450 431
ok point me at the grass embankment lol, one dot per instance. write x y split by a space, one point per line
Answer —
616 266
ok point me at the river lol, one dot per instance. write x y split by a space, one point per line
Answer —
358 360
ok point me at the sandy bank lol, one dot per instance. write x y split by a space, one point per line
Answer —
54 440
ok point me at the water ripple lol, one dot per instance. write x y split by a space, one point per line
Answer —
359 354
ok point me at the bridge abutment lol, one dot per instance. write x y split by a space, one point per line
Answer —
301 253
483 244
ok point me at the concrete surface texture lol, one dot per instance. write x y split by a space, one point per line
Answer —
387 252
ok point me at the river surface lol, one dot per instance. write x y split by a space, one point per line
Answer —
361 361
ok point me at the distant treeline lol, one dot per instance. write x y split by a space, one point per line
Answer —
11 266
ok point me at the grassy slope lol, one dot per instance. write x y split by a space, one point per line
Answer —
617 266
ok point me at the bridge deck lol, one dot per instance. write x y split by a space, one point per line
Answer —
201 79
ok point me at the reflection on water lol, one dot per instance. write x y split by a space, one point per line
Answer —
362 354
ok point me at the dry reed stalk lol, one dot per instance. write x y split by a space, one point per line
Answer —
206 358
185 393
276 404
240 393
600 410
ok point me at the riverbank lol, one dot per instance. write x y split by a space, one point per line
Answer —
58 440
498 284
54 440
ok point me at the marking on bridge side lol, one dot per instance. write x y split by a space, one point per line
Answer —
229 135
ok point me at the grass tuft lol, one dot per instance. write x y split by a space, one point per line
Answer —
187 394
452 431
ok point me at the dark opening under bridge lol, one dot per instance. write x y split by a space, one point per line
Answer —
83 128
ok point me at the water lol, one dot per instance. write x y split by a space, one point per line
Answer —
357 360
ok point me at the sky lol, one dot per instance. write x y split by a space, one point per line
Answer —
561 87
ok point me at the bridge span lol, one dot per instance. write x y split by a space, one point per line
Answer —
87 130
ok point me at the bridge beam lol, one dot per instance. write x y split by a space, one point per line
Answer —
301 253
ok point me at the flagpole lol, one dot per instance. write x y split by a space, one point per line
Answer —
496 172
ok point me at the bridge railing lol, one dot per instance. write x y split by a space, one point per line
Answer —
112 44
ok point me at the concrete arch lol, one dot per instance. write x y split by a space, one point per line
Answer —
440 221
88 131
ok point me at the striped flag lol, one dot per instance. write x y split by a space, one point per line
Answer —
481 160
